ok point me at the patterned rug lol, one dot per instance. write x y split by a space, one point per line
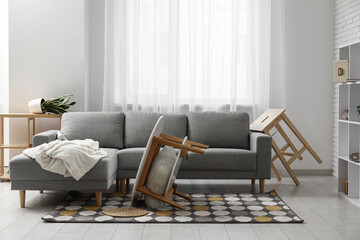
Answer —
202 208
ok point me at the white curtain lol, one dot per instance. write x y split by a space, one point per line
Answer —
4 69
4 56
187 55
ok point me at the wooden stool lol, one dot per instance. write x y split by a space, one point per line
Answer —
271 119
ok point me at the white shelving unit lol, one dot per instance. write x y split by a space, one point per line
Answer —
349 130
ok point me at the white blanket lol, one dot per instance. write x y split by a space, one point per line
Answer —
68 158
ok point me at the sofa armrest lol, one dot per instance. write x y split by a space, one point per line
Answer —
260 143
44 137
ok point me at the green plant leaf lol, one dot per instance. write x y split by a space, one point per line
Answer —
58 105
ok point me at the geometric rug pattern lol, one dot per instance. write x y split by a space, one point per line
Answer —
201 208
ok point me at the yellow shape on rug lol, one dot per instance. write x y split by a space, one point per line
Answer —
164 213
91 208
67 212
215 198
263 219
201 208
273 208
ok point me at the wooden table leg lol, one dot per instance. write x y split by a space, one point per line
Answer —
2 143
284 162
29 132
301 138
277 175
33 130
273 168
287 139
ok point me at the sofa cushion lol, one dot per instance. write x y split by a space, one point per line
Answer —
25 168
106 128
138 127
214 159
221 159
129 158
159 175
219 130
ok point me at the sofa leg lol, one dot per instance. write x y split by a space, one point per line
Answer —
22 198
262 185
252 181
41 191
122 185
127 184
98 198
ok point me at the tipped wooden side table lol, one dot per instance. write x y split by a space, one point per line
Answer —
30 133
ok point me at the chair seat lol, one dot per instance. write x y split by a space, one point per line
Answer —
220 159
25 168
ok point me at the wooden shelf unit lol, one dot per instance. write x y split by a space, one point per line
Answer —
30 133
349 130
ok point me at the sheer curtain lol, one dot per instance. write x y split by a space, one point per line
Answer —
4 69
4 56
187 55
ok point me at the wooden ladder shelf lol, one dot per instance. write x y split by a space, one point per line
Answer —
271 119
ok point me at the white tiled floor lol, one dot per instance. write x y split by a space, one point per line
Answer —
327 215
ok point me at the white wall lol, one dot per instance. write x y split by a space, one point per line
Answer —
96 53
46 56
347 31
309 54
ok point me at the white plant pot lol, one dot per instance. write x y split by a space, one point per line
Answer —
35 105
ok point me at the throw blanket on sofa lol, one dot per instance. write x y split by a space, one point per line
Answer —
68 158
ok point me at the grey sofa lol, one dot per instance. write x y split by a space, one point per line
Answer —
234 153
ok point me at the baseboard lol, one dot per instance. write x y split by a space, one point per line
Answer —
306 172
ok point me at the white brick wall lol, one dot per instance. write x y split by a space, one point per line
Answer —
347 31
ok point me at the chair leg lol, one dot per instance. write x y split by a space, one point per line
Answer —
252 181
98 198
22 198
262 185
122 185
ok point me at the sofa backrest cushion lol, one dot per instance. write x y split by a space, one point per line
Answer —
105 127
219 130
138 127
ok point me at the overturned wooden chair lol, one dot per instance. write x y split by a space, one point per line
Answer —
156 140
271 119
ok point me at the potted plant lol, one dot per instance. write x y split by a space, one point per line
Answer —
58 105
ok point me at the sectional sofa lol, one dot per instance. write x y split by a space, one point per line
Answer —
234 153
